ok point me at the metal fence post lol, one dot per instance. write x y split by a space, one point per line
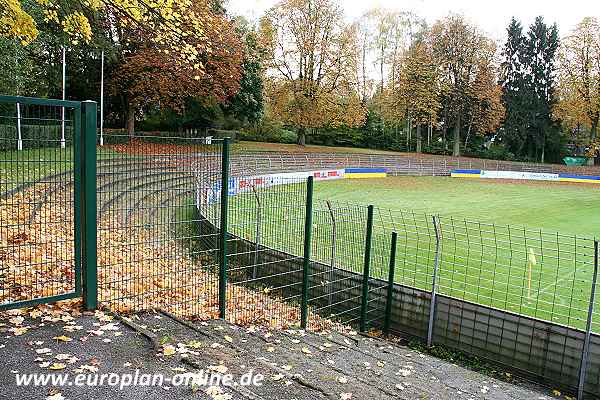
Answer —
588 330
436 264
88 205
223 229
390 288
366 271
333 255
307 243
258 230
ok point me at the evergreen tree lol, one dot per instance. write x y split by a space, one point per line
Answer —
528 82
542 47
248 104
513 82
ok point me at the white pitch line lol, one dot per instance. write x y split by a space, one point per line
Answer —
555 284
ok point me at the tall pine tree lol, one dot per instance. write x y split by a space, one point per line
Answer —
514 96
528 82
542 47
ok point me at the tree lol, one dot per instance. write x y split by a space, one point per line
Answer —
312 59
542 47
248 104
16 23
528 80
579 60
384 37
484 103
415 95
20 75
514 89
151 74
460 51
179 25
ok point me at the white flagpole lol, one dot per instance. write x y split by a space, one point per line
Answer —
19 136
102 99
19 133
62 126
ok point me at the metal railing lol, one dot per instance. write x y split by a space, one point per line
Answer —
332 262
260 162
170 234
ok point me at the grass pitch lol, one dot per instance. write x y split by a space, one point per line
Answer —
568 208
510 245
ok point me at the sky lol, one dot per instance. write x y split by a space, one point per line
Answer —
492 16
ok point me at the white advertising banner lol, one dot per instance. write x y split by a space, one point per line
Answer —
236 186
535 176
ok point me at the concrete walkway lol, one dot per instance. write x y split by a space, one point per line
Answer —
293 364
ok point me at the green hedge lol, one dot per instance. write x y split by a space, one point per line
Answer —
34 136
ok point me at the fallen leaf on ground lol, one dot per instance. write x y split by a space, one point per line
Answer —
277 377
169 350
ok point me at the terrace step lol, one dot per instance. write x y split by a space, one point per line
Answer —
327 364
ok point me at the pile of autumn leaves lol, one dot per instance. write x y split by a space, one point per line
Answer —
136 269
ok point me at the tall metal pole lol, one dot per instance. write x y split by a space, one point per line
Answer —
333 255
588 330
366 270
390 287
62 124
436 265
87 159
258 231
306 261
102 98
223 228
19 135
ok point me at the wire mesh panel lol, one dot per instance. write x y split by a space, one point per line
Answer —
529 272
416 245
338 245
37 197
266 226
155 249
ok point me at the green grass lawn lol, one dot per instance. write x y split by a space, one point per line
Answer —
550 206
19 168
487 255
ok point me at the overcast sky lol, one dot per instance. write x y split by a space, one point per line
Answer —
491 15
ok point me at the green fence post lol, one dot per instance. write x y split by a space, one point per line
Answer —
223 236
307 242
366 272
390 288
588 330
88 205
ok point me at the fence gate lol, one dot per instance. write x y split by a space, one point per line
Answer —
43 203
152 251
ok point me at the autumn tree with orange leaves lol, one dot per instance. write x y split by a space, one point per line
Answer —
465 60
414 95
311 66
579 79
151 74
